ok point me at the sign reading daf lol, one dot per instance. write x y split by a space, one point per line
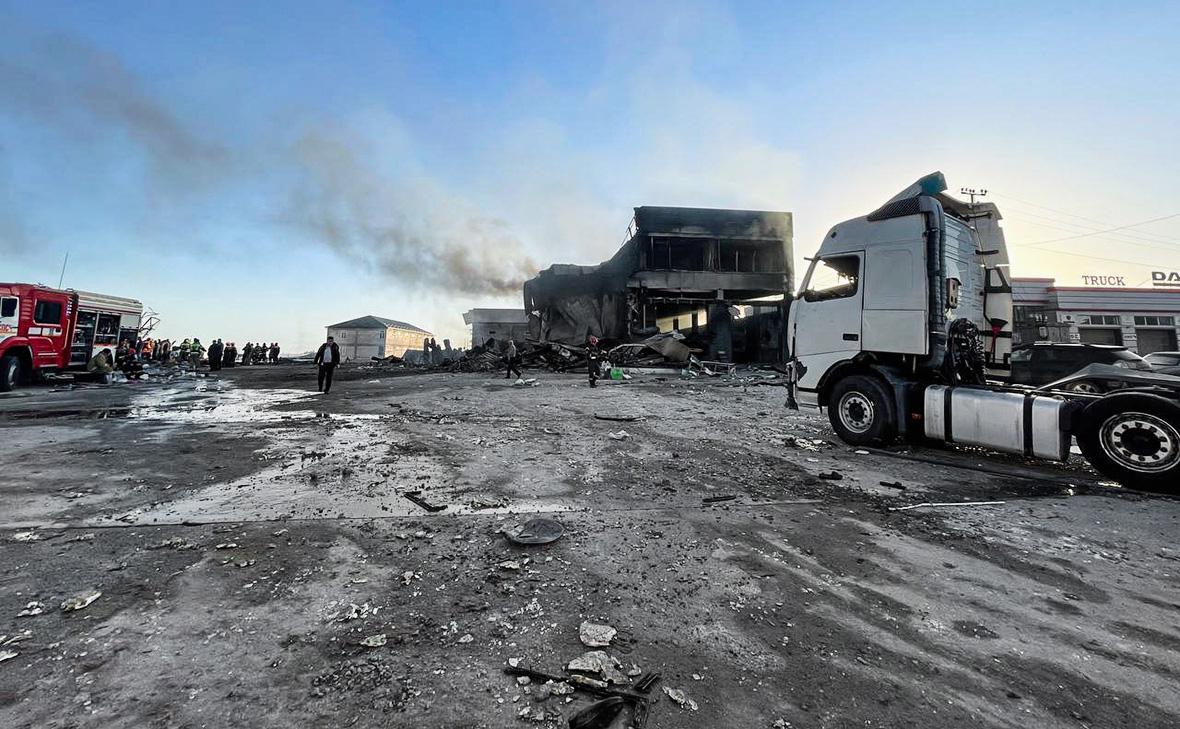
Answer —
1165 278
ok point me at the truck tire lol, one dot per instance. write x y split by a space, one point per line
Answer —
862 412
10 373
1134 438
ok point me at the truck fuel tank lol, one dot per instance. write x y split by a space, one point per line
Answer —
1012 422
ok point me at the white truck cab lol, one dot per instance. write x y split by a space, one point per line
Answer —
903 327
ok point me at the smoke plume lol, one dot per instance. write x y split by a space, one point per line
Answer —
411 232
321 186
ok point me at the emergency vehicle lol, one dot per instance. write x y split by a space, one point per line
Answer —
44 330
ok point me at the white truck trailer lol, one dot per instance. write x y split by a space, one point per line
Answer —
902 328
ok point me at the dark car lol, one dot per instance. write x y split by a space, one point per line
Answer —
1167 363
1042 363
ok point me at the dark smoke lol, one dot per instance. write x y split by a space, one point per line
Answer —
88 94
401 232
412 234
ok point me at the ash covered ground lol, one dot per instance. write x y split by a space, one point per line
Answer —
260 565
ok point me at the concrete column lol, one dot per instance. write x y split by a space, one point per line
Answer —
720 332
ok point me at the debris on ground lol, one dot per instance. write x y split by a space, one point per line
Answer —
894 485
596 635
718 499
416 497
805 444
80 601
353 612
33 607
616 418
680 698
830 476
374 641
26 537
600 664
598 715
618 435
7 654
938 504
535 531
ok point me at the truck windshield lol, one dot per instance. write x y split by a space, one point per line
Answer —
832 278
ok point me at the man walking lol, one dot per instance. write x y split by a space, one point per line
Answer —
510 359
327 358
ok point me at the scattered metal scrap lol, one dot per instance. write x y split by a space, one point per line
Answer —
416 497
935 504
536 531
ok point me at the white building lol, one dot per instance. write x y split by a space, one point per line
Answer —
1141 319
374 336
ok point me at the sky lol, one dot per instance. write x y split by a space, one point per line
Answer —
257 171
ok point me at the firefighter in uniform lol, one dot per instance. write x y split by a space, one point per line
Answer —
593 360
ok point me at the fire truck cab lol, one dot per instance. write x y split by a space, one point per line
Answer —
44 330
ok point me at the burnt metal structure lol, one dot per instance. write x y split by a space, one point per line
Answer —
723 278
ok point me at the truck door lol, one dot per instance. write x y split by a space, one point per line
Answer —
896 296
827 315
47 331
9 317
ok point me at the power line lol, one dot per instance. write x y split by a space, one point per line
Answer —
1100 232
1072 215
1074 227
1170 246
1075 254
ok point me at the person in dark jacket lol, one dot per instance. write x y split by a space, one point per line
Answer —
327 357
216 349
247 353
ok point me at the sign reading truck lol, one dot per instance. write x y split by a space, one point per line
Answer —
44 330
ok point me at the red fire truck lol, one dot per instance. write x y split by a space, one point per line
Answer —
44 330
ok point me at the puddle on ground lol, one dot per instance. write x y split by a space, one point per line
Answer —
323 466
214 403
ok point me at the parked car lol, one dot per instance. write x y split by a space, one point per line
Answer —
1167 363
1044 362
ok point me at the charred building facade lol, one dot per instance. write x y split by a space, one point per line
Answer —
722 278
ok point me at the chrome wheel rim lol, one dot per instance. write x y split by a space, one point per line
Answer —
856 412
1085 387
1140 442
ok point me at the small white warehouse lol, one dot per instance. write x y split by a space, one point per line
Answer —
374 336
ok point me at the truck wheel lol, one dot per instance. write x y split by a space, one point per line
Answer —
1134 439
861 411
9 373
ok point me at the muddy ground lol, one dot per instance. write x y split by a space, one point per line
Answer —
247 534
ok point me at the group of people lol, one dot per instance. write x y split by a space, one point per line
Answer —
512 359
130 357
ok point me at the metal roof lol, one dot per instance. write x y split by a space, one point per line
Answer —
376 322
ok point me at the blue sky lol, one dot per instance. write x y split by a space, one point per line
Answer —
258 170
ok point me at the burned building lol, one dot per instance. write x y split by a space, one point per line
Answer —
722 278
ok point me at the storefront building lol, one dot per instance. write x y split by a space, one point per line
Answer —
1143 320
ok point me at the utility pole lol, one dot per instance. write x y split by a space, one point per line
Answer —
62 277
973 193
